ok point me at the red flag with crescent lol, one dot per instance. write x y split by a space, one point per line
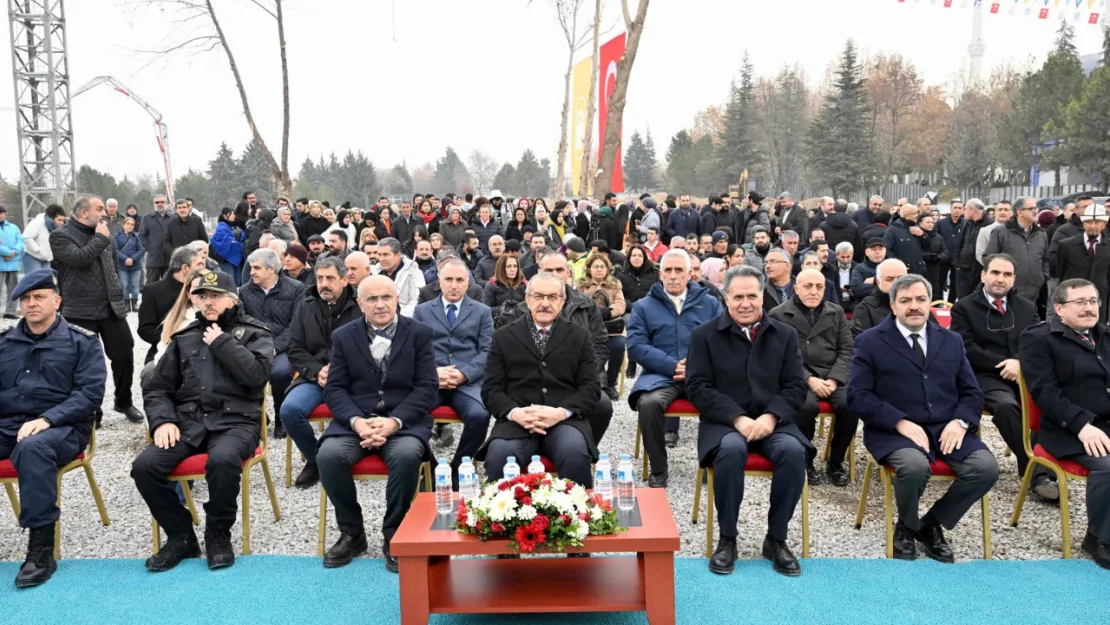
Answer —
610 55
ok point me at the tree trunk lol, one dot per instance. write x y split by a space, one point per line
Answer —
588 161
611 140
561 170
286 185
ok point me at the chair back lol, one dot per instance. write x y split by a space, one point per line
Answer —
265 437
942 310
1030 416
90 450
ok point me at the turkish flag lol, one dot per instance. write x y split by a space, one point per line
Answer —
994 8
1094 19
1044 14
610 54
948 4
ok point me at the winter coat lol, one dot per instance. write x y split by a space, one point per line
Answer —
310 226
11 241
311 330
486 267
966 258
826 345
637 283
88 273
935 255
129 246
285 231
497 295
276 308
610 303
1056 234
408 281
36 239
180 233
682 222
839 228
904 246
452 232
484 233
1030 253
759 218
950 231
579 310
861 272
227 242
152 234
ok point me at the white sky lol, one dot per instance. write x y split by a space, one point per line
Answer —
484 74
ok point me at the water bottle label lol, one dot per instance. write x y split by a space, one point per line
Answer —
624 475
601 477
441 479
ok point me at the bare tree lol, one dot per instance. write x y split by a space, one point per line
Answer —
589 162
483 169
612 139
204 33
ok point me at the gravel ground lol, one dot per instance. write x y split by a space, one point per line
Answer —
832 509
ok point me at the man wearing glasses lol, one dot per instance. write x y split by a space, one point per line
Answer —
152 233
990 320
779 287
1065 365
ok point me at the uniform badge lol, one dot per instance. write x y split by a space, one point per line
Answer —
238 333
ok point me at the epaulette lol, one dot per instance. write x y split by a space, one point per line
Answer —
6 330
86 332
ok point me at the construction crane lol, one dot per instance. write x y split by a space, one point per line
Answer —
160 129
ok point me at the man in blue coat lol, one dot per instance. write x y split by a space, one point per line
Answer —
462 330
913 388
381 388
658 337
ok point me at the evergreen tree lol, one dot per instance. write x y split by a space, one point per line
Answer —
691 166
1106 46
651 161
637 170
505 180
255 175
224 173
451 174
1042 102
1065 39
839 145
1087 127
530 179
545 181
196 185
737 151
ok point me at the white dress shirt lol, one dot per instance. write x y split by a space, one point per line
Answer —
921 339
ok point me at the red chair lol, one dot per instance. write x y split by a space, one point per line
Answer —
825 412
192 468
320 417
678 408
1064 469
940 472
942 310
9 478
445 414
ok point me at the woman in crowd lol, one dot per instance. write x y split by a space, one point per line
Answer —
546 227
429 215
227 244
636 280
507 285
559 224
282 227
130 252
365 237
329 214
437 243
133 211
515 230
343 222
734 256
934 252
713 271
600 284
453 229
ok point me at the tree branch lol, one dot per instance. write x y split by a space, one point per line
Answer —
267 10
627 15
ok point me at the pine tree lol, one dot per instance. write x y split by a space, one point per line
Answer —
505 180
1087 127
738 148
1106 46
651 161
529 178
1065 39
1043 101
839 144
451 174
225 173
635 157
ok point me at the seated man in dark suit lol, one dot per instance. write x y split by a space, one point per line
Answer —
381 388
1064 364
541 382
826 336
463 331
433 290
990 320
744 375
1087 256
916 394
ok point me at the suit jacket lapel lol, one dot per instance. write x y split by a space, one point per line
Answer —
936 341
558 333
439 313
364 345
895 339
523 332
399 337
464 311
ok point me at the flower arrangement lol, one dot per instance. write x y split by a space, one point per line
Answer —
536 510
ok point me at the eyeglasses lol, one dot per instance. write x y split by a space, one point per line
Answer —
546 297
374 299
1094 301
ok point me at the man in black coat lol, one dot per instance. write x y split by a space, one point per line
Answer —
792 216
381 389
433 290
328 306
778 287
873 309
991 320
541 383
903 240
1066 365
683 221
205 397
183 228
744 374
152 234
1087 256
1069 224
839 227
965 261
159 297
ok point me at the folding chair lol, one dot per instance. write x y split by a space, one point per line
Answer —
320 417
9 478
942 310
678 408
826 417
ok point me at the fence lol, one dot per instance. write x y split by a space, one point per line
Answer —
892 192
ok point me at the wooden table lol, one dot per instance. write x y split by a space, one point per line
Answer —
432 582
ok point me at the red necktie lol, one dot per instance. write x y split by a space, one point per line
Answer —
751 330
998 306
1091 248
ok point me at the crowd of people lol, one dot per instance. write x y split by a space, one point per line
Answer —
758 312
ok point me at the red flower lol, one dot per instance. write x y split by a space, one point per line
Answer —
564 519
527 537
462 512
570 486
525 501
479 524
545 482
519 493
496 528
504 486
585 517
541 522
601 502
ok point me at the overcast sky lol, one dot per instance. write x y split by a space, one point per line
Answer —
484 74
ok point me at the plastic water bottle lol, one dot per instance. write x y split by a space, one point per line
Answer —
444 497
468 479
536 466
603 477
512 469
626 490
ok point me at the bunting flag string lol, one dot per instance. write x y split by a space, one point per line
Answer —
1091 12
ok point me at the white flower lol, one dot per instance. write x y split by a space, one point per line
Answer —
502 507
579 529
526 513
471 520
596 513
563 503
579 496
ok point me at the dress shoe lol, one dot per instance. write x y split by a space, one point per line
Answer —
723 561
279 429
658 480
838 475
217 546
812 476
446 436
671 439
782 560
308 477
611 391
176 549
344 550
1045 488
40 564
390 559
904 547
932 541
1098 550
631 372
133 414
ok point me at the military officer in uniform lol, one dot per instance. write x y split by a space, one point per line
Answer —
47 409
205 396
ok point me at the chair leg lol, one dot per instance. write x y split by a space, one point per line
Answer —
270 487
427 477
624 365
1065 514
1022 492
709 515
58 524
805 519
828 439
888 508
189 503
154 532
852 460
863 494
323 521
697 495
97 497
246 512
987 526
636 445
288 461
12 498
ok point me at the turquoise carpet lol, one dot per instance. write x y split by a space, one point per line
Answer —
278 590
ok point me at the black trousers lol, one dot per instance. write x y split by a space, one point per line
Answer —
1098 495
844 429
945 277
337 456
119 347
975 475
1006 415
154 274
600 418
967 280
564 445
36 459
787 455
227 450
651 407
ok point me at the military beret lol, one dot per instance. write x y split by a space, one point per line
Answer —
39 279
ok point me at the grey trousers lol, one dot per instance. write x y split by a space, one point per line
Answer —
8 282
975 476
1098 495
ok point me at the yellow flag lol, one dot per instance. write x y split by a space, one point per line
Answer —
580 93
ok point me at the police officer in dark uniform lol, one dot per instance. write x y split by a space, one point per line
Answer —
205 396
52 377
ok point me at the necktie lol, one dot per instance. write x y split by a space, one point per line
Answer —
750 332
998 306
677 304
917 349
1086 336
1091 248
451 314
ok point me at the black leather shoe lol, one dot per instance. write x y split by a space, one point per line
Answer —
176 549
308 477
723 561
133 414
40 564
658 480
390 559
217 546
782 560
279 430
904 547
631 372
671 439
812 476
446 436
611 391
1045 488
344 550
1098 550
838 475
935 546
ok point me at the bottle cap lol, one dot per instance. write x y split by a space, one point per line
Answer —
466 460
535 458
510 459
626 457
443 460
603 457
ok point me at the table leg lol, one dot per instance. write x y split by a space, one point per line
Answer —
414 590
659 587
